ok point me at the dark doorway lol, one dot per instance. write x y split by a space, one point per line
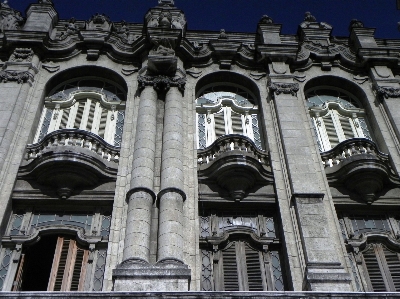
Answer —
38 263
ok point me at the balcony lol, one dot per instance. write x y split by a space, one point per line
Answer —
359 166
236 164
69 159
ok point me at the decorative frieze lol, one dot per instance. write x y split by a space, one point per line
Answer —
20 77
388 91
162 83
285 88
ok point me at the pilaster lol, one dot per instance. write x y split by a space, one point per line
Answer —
315 220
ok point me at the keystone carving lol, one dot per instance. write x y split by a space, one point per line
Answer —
388 92
162 83
285 88
22 55
10 19
20 77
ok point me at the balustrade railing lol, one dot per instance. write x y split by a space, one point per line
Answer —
351 147
231 143
74 137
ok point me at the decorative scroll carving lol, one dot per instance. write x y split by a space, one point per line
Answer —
257 75
308 17
285 88
162 83
22 55
10 19
128 72
194 72
51 68
222 34
388 91
123 31
20 77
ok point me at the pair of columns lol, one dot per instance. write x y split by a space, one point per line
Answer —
170 273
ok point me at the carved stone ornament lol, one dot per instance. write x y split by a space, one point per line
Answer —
99 22
285 88
222 34
10 19
266 20
70 29
22 55
123 31
388 92
46 2
355 24
162 83
308 17
20 77
166 3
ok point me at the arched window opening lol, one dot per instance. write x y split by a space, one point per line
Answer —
223 110
336 117
55 263
90 105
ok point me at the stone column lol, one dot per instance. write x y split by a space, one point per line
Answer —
141 196
171 196
324 270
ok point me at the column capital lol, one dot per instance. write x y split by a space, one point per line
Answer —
162 83
282 87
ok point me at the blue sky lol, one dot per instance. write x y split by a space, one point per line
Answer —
243 15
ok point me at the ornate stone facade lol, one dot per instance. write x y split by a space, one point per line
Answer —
149 158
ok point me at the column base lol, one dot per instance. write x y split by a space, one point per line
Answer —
137 275
327 278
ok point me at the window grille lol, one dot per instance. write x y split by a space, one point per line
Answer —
5 264
16 222
206 272
362 224
81 220
99 271
105 225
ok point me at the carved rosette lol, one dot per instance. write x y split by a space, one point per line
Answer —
285 88
162 83
20 77
388 92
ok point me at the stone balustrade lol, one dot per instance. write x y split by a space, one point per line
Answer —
349 148
74 138
231 143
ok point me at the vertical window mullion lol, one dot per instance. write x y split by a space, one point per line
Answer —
338 126
96 118
110 126
228 120
322 133
85 115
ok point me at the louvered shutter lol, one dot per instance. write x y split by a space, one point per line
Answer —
254 276
18 277
393 264
374 271
230 267
64 118
346 127
330 130
236 120
219 124
79 115
69 266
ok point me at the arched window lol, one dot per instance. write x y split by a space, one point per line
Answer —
91 105
336 117
223 110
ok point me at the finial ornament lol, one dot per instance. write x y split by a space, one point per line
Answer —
355 24
308 17
166 2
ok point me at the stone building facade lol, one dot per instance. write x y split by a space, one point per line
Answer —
147 157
